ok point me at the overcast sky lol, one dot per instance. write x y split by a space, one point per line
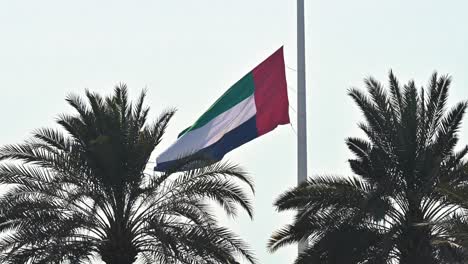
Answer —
187 53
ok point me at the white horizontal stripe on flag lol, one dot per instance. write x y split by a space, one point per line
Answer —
210 133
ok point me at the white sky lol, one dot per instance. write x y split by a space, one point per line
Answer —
187 53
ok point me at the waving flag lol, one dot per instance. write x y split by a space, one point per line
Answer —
253 106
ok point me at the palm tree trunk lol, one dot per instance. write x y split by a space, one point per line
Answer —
118 260
119 249
415 246
123 256
417 251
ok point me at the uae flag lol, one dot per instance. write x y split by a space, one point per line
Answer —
253 106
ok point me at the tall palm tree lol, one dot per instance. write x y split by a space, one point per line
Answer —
391 210
82 191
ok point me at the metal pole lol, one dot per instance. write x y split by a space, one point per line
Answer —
301 104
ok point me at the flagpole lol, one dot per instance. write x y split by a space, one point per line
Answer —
301 104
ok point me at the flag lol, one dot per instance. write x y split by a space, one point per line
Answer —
252 107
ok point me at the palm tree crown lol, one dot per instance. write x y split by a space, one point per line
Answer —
83 192
392 209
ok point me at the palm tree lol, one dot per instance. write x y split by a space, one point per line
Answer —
74 194
391 210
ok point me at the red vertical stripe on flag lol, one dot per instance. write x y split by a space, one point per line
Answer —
271 96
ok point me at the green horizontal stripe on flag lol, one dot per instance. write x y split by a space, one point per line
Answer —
237 93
